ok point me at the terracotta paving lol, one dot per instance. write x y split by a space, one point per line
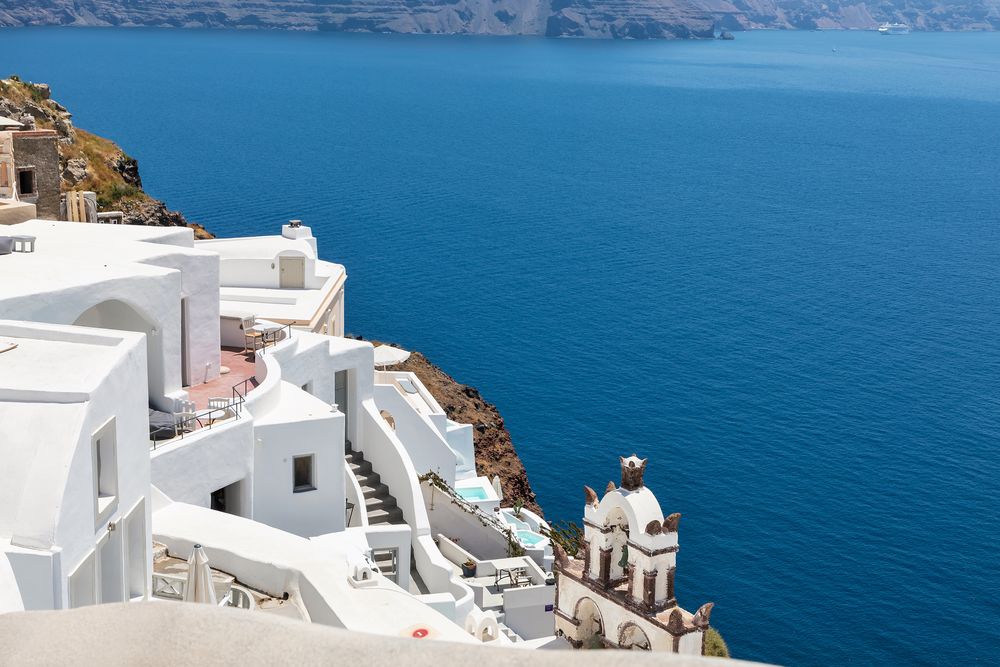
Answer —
241 367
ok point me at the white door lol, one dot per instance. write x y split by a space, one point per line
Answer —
293 272
110 566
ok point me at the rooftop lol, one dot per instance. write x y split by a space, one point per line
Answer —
299 306
257 247
50 358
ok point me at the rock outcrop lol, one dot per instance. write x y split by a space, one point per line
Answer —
636 19
87 161
495 453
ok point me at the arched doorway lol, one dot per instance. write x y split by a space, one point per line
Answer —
631 636
590 630
118 315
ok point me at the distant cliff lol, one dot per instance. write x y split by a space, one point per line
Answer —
637 19
87 161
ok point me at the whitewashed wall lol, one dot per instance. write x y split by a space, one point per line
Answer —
278 439
188 470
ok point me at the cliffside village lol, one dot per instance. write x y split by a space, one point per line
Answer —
184 421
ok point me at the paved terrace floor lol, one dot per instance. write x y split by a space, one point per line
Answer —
241 367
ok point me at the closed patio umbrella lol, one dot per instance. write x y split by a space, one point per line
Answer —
497 486
386 355
199 582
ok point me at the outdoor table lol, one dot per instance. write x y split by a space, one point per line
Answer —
267 328
508 568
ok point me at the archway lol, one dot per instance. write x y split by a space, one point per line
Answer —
616 540
631 636
591 623
118 315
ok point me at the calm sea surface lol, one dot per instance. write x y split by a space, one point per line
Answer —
772 266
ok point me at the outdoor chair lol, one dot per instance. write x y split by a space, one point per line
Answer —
252 340
186 422
219 405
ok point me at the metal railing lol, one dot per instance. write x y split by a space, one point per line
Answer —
240 391
271 337
207 418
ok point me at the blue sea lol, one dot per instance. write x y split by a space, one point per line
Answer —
772 266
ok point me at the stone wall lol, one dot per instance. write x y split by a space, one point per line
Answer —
38 150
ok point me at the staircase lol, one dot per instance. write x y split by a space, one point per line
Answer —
380 506
510 634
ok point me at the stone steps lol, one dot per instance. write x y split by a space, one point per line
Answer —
380 505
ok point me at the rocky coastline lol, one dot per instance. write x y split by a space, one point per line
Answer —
608 19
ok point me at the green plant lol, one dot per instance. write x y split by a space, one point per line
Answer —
715 645
566 534
518 506
514 547
117 192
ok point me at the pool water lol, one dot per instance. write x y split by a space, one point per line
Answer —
473 493
529 538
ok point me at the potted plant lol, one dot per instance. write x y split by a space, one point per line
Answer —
469 568
518 506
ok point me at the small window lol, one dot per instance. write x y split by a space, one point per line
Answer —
105 457
26 181
302 469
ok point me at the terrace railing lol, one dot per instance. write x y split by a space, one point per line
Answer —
205 419
271 338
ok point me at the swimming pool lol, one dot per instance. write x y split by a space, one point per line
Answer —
529 538
472 493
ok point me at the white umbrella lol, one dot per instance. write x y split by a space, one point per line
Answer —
386 355
199 582
497 486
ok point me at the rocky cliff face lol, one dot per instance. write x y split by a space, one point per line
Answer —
495 454
87 161
637 19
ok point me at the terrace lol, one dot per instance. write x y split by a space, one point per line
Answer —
222 398
170 579
515 589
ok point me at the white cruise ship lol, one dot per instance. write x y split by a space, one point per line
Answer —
894 29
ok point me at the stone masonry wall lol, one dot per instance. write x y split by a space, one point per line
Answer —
38 149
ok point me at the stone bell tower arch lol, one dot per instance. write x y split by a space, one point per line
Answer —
629 560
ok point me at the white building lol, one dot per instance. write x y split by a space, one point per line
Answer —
74 479
158 390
